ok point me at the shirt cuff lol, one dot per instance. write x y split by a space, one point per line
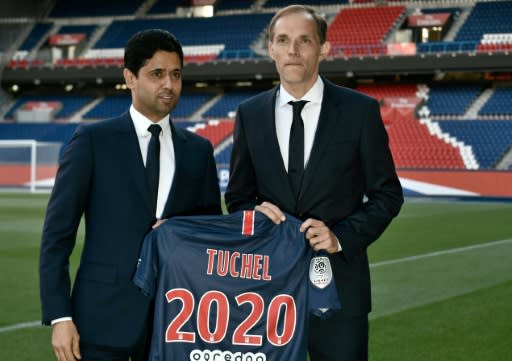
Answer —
339 245
57 320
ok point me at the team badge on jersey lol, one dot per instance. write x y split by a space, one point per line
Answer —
320 271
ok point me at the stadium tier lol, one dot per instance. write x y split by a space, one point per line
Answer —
499 104
457 119
491 17
354 31
79 8
35 36
490 140
451 100
360 29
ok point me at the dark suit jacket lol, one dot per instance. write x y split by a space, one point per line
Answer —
102 176
350 159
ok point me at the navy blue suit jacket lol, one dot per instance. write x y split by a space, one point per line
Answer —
350 159
102 176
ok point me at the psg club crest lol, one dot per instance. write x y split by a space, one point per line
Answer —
320 271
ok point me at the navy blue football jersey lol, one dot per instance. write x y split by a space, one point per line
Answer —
233 287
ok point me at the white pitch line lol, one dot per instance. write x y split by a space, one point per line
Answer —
19 326
440 253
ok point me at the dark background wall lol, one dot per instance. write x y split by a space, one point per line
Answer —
25 8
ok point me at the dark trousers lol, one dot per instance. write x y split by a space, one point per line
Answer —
338 338
104 353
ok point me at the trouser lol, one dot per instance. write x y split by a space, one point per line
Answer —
338 338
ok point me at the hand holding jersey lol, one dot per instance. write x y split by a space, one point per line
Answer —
320 237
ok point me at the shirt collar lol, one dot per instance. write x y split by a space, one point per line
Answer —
142 123
314 95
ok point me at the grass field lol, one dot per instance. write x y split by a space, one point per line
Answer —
441 274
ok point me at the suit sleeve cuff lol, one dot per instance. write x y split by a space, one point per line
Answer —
61 319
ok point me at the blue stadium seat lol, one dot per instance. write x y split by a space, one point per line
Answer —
500 103
486 18
70 104
228 103
451 100
110 106
114 105
490 140
80 8
39 132
224 156
37 33
224 30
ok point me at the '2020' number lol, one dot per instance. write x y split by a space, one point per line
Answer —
241 335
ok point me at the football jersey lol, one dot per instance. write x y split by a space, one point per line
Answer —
232 287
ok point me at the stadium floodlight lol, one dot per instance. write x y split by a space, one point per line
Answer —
28 164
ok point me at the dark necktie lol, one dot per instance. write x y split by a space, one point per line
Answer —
153 161
296 147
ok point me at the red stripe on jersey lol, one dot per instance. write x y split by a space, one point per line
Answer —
248 223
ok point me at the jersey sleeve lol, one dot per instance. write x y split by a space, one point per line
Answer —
323 298
147 266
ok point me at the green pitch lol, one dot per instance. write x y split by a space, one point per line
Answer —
441 275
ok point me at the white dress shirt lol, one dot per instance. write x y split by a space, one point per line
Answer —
310 114
167 160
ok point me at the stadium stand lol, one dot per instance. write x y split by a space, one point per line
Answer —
109 107
361 31
40 132
216 131
164 7
486 18
79 8
489 139
222 31
499 104
227 104
113 105
223 155
457 119
36 35
451 100
70 105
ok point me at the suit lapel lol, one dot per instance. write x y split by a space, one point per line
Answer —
271 146
133 162
329 114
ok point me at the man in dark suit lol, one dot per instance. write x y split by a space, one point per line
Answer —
343 156
103 174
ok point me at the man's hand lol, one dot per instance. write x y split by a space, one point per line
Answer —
271 211
65 341
319 235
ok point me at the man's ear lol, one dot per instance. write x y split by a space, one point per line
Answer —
129 78
325 50
270 51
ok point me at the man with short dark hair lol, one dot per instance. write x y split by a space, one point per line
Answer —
125 175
